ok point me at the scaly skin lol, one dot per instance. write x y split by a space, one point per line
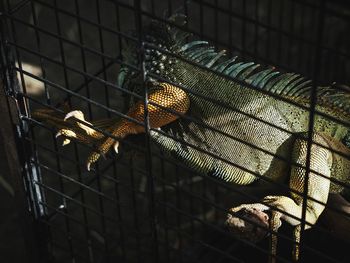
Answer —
290 208
176 99
259 134
166 96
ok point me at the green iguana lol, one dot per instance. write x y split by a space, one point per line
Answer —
224 121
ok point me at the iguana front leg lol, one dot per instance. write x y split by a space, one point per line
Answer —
318 189
164 95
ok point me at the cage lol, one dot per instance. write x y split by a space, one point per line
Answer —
141 205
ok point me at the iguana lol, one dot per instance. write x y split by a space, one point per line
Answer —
233 120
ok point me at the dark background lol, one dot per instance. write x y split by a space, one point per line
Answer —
106 215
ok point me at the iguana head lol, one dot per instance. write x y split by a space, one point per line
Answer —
159 41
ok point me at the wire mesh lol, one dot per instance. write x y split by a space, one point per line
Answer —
141 205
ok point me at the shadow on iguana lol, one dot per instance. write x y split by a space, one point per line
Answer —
232 120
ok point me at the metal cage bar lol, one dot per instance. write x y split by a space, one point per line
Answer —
143 206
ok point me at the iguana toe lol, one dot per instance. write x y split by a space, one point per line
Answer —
92 159
103 148
290 211
67 133
79 115
270 199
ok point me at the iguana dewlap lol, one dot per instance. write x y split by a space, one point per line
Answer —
232 131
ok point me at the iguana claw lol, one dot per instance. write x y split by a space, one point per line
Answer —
76 114
58 134
68 134
80 116
116 146
65 142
